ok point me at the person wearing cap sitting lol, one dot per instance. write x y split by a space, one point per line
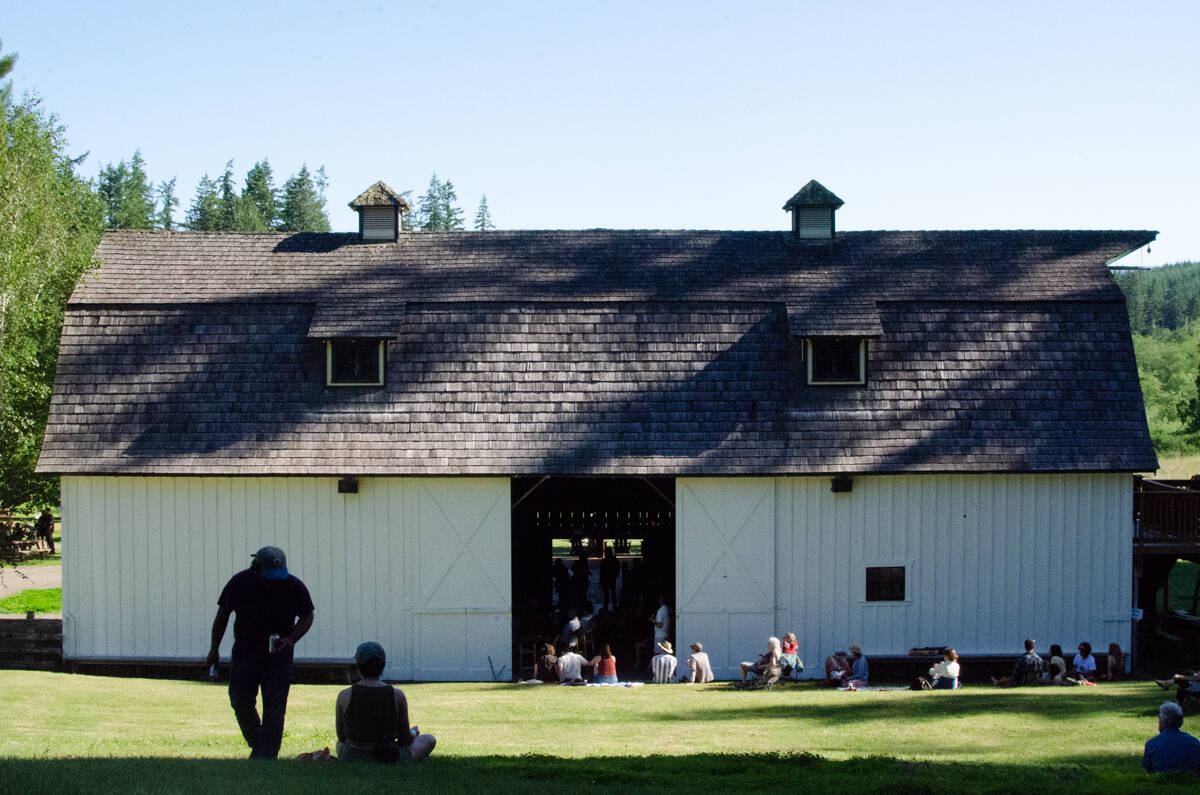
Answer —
372 716
274 611
662 665
699 668
859 673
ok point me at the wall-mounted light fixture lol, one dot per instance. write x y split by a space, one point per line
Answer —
348 486
841 484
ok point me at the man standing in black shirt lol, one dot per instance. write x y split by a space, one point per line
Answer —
274 611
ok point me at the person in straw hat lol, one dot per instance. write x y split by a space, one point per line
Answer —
663 664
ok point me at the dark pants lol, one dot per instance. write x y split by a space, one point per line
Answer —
273 674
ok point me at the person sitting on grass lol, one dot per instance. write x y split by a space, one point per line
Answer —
944 675
1116 663
545 667
570 667
1056 671
764 665
1083 667
1027 670
605 665
837 669
1172 749
372 717
859 674
662 665
699 667
790 664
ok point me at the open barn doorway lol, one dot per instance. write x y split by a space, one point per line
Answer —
562 531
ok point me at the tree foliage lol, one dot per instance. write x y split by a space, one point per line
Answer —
304 202
127 195
204 213
50 223
167 204
437 210
1161 298
483 216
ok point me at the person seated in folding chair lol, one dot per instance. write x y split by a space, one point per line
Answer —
766 671
944 675
1187 686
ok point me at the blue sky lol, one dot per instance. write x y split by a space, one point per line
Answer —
654 115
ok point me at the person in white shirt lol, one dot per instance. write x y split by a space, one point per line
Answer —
570 667
663 664
662 630
1084 664
944 675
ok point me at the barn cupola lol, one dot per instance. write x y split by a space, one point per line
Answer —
379 208
812 210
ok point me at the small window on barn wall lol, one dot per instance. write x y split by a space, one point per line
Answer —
354 362
836 360
885 584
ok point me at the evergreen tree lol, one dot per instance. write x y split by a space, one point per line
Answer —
260 193
167 202
50 222
452 214
407 222
483 218
227 201
204 214
127 195
429 216
304 202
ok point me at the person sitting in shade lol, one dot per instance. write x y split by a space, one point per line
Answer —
662 665
545 667
859 673
371 717
1172 749
1026 671
1083 667
1185 684
1056 669
699 667
1116 663
790 664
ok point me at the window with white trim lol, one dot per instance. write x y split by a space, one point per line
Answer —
836 360
885 584
354 362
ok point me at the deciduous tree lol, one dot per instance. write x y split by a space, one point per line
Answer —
50 222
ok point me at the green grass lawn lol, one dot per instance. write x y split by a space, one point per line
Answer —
1181 585
79 733
39 600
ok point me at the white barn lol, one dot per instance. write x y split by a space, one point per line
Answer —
895 439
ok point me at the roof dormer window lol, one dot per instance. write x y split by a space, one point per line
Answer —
354 362
836 360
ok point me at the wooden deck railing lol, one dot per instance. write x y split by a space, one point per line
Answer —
1166 510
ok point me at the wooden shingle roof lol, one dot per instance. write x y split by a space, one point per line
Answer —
612 352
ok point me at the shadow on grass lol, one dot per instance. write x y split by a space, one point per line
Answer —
728 772
1046 703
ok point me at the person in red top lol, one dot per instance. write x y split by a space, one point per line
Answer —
790 663
606 666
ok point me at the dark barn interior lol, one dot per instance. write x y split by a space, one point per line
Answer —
558 522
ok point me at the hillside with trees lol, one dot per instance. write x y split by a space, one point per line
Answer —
1164 313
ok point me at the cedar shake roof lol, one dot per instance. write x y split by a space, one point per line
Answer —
599 352
380 195
813 194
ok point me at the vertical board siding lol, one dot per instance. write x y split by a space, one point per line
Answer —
990 560
149 556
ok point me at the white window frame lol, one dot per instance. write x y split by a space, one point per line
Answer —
862 365
910 583
329 367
